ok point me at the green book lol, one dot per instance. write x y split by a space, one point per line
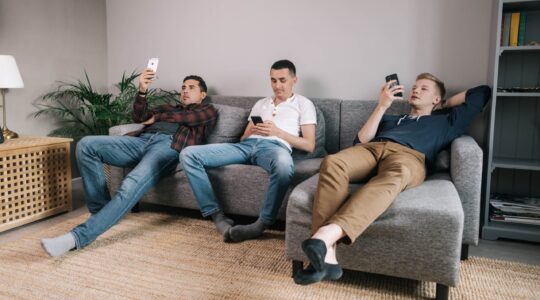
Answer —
521 32
506 30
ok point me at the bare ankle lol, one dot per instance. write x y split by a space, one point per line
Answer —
330 257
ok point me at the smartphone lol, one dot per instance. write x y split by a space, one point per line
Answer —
153 63
394 77
256 119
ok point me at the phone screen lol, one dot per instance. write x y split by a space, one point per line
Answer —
153 63
256 119
394 77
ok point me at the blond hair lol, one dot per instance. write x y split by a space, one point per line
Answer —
438 82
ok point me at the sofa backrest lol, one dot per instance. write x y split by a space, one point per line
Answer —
343 118
329 107
355 113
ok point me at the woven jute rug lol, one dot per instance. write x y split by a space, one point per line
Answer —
156 255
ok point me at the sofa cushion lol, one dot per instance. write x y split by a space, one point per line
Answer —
230 124
416 220
305 168
242 188
123 129
320 140
418 231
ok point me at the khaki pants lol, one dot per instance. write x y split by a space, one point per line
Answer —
396 168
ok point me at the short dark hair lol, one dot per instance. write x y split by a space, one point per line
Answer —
438 82
202 84
285 64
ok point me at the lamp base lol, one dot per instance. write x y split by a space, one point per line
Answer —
8 134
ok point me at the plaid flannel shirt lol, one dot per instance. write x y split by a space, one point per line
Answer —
196 121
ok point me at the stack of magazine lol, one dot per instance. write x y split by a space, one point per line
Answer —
506 208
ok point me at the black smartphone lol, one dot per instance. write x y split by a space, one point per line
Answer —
256 119
394 77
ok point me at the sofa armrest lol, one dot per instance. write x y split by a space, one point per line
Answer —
299 215
466 161
124 128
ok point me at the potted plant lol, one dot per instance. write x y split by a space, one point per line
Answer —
81 110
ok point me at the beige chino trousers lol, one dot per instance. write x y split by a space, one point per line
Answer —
396 168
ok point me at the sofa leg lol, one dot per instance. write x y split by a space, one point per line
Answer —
297 265
464 252
136 208
441 292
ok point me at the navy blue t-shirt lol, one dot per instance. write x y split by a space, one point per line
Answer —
430 134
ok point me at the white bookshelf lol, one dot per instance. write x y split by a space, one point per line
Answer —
513 150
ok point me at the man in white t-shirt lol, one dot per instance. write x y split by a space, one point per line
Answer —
289 121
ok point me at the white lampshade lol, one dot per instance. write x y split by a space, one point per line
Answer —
9 73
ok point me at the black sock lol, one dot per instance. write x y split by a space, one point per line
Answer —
222 222
241 233
315 250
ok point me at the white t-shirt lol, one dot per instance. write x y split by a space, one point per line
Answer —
288 116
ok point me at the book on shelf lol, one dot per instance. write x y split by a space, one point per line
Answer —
535 89
514 29
512 219
521 31
505 34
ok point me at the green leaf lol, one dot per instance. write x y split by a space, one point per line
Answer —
81 110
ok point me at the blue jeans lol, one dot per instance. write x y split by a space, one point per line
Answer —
150 156
272 156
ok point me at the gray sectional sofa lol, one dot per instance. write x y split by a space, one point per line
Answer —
422 235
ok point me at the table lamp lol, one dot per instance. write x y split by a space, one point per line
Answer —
10 78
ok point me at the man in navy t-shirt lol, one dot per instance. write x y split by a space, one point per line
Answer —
398 148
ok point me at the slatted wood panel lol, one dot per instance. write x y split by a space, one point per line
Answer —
35 179
517 128
519 183
517 124
519 69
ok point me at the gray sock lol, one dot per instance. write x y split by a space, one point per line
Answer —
59 245
222 222
241 233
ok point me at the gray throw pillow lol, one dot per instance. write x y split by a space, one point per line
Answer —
442 161
320 140
230 125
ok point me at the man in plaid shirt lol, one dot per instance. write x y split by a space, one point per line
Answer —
151 152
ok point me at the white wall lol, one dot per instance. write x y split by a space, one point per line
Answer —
51 40
342 49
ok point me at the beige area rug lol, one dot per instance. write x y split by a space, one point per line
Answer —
155 255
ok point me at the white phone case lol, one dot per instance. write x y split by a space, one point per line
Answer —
153 63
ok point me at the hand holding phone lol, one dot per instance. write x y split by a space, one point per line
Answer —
146 79
153 63
256 120
394 77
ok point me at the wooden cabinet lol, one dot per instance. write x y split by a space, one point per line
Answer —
35 179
